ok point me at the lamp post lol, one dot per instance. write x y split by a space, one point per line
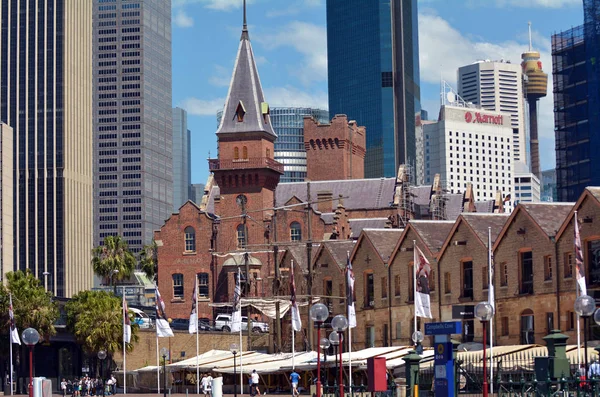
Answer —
334 339
324 344
112 274
584 307
31 337
339 325
102 356
164 352
319 313
46 274
417 338
233 348
484 312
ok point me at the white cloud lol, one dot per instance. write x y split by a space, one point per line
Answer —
223 5
308 39
183 20
444 49
202 107
538 3
221 78
293 97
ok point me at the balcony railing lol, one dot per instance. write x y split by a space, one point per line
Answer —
251 163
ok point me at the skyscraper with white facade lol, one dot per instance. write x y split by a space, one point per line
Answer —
182 166
133 171
498 86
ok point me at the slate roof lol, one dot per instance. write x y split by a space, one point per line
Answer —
480 223
357 193
384 240
357 225
595 191
433 233
299 253
339 251
245 87
485 206
420 194
549 216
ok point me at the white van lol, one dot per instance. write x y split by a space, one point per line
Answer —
140 318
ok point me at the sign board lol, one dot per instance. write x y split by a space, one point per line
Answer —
463 312
445 328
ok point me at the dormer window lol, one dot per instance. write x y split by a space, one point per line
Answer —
240 111
266 111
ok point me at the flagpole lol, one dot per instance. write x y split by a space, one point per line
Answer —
11 352
124 349
349 331
577 294
241 354
157 364
415 284
197 354
291 311
493 303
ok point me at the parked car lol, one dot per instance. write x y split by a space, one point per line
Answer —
223 323
183 324
140 318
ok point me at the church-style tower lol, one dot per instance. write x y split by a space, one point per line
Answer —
245 169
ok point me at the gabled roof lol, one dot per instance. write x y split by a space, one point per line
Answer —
382 240
298 253
357 225
433 233
245 92
548 217
592 192
338 250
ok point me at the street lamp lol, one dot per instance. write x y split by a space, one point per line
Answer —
102 356
417 338
319 313
339 325
164 352
31 337
334 339
324 344
46 274
484 312
112 273
584 307
233 348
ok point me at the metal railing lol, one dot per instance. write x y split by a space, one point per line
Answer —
251 163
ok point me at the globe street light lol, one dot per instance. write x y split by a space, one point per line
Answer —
319 313
102 356
334 338
584 307
417 338
233 348
339 325
484 313
31 337
164 352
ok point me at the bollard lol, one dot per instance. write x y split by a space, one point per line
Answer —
186 390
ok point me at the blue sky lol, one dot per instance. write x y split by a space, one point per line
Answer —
290 45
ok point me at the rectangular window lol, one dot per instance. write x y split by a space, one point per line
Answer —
549 322
384 335
570 321
369 291
397 285
485 278
548 267
593 262
411 282
503 274
369 337
526 259
342 293
178 286
504 326
384 287
447 283
467 278
398 330
568 265
202 285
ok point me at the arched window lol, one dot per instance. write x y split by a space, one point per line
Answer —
245 152
527 327
295 231
236 153
241 236
178 286
203 285
190 239
268 153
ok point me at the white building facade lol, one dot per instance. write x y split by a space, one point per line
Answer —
527 186
498 86
469 145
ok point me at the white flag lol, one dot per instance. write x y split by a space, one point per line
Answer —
579 269
350 295
296 319
422 298
14 334
126 322
491 271
163 329
236 316
193 327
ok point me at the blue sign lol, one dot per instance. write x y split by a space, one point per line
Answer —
445 328
443 352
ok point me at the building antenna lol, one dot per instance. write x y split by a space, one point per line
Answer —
529 24
245 28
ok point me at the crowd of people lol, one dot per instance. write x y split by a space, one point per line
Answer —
87 386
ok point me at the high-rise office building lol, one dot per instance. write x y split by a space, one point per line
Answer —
498 86
576 74
373 70
46 97
133 179
196 192
288 124
182 165
6 195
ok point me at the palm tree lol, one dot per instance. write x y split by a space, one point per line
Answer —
113 260
148 260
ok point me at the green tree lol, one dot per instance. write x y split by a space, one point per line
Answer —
113 260
32 304
96 320
149 261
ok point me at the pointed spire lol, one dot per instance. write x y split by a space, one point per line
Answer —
245 35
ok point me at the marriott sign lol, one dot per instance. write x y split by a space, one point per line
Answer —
477 117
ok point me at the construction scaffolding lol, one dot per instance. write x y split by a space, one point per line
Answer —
404 196
438 199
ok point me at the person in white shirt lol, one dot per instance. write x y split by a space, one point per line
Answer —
210 379
255 379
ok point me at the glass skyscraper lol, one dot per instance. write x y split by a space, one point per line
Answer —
46 97
133 170
373 71
182 167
